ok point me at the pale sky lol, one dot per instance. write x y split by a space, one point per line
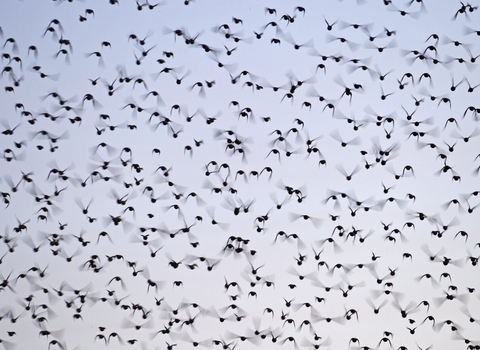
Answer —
224 152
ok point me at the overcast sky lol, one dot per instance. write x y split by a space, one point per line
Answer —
239 174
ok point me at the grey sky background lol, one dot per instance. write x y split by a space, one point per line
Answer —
313 173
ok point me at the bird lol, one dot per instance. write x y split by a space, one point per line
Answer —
263 255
